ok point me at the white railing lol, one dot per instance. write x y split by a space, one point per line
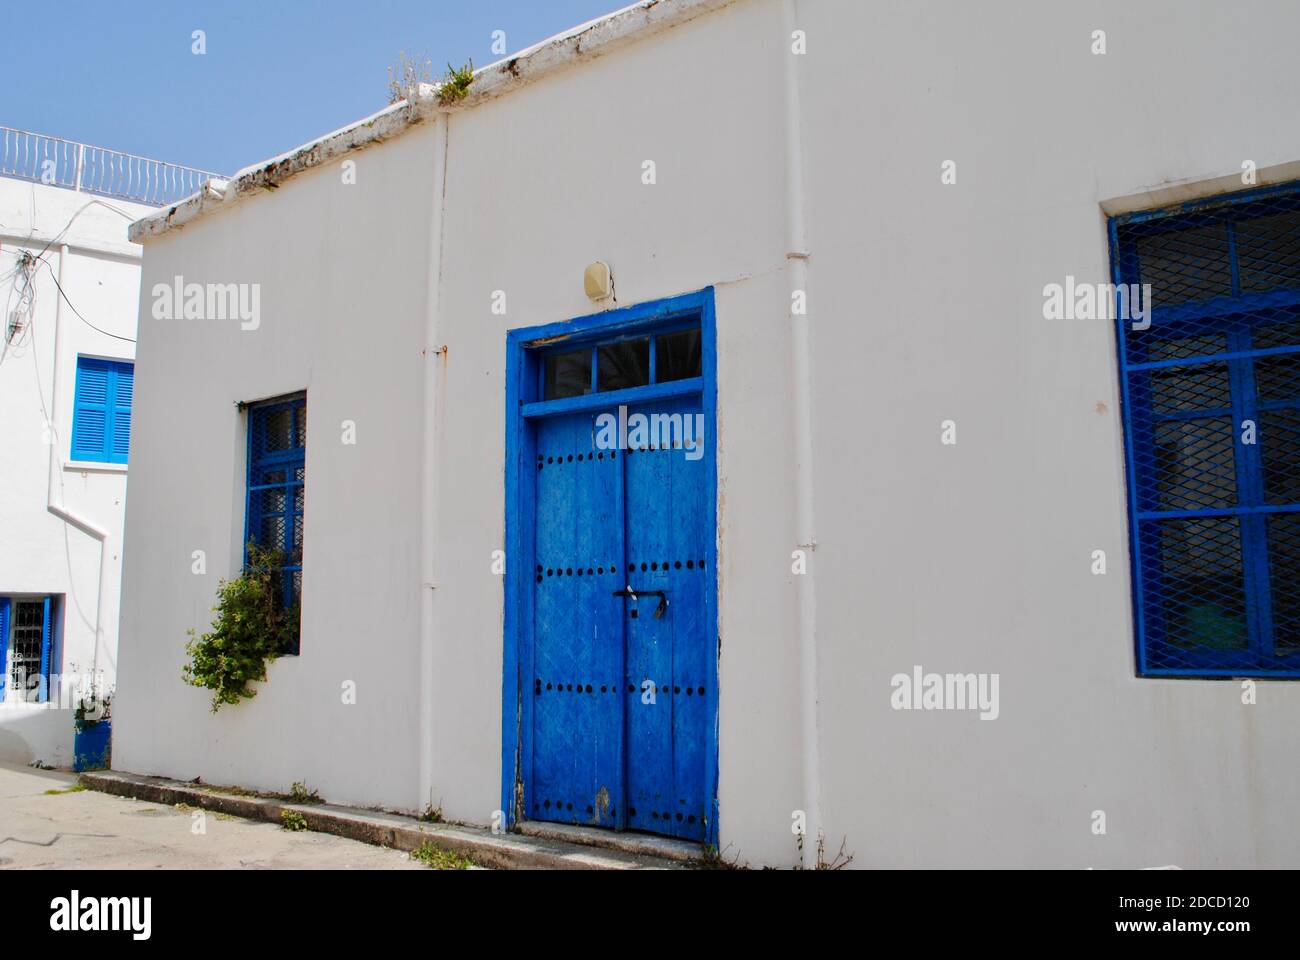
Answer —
80 166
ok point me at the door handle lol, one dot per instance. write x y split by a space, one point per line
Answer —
660 610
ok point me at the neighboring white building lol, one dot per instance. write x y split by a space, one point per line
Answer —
64 209
910 465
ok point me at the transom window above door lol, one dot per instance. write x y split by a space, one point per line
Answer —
623 364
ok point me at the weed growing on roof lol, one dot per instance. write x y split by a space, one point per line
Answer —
455 83
405 77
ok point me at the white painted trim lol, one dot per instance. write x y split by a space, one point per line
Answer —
92 466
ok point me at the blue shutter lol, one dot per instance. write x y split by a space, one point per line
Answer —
121 422
90 410
4 644
46 637
101 411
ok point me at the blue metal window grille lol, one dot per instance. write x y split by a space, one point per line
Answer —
1211 399
277 446
27 646
101 410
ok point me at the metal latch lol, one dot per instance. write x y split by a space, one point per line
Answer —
631 594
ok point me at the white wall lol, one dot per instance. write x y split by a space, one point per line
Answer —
926 305
39 552
341 269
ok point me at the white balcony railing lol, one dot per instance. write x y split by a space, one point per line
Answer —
80 166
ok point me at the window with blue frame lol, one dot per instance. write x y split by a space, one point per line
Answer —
101 410
623 363
27 646
1211 399
277 443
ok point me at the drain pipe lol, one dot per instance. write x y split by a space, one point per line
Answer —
435 358
806 597
54 490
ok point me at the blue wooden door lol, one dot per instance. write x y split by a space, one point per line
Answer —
577 774
621 647
666 654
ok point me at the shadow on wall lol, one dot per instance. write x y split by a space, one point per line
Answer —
32 732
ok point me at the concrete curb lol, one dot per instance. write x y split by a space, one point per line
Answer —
497 851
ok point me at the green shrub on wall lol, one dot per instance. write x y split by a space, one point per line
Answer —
251 628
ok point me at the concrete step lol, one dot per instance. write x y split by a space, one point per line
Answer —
548 850
638 844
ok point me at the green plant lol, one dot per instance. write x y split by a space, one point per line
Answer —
440 859
431 814
251 628
455 83
75 788
292 820
299 793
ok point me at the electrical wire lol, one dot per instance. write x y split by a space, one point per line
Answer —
74 309
84 207
28 294
15 338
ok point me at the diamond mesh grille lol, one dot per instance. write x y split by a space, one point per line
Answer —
277 444
1212 430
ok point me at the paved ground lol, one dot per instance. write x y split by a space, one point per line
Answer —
86 829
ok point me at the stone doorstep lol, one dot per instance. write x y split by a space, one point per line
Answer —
638 844
553 847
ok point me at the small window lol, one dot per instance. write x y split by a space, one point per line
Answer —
26 646
101 410
277 447
677 356
568 375
620 366
623 364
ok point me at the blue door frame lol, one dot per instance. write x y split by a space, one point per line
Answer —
524 407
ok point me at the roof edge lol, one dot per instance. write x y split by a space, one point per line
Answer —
579 44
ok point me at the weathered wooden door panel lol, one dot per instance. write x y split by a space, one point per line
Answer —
666 654
578 630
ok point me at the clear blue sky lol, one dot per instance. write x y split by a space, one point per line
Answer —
276 72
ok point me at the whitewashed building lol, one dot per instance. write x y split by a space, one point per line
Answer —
965 573
69 278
